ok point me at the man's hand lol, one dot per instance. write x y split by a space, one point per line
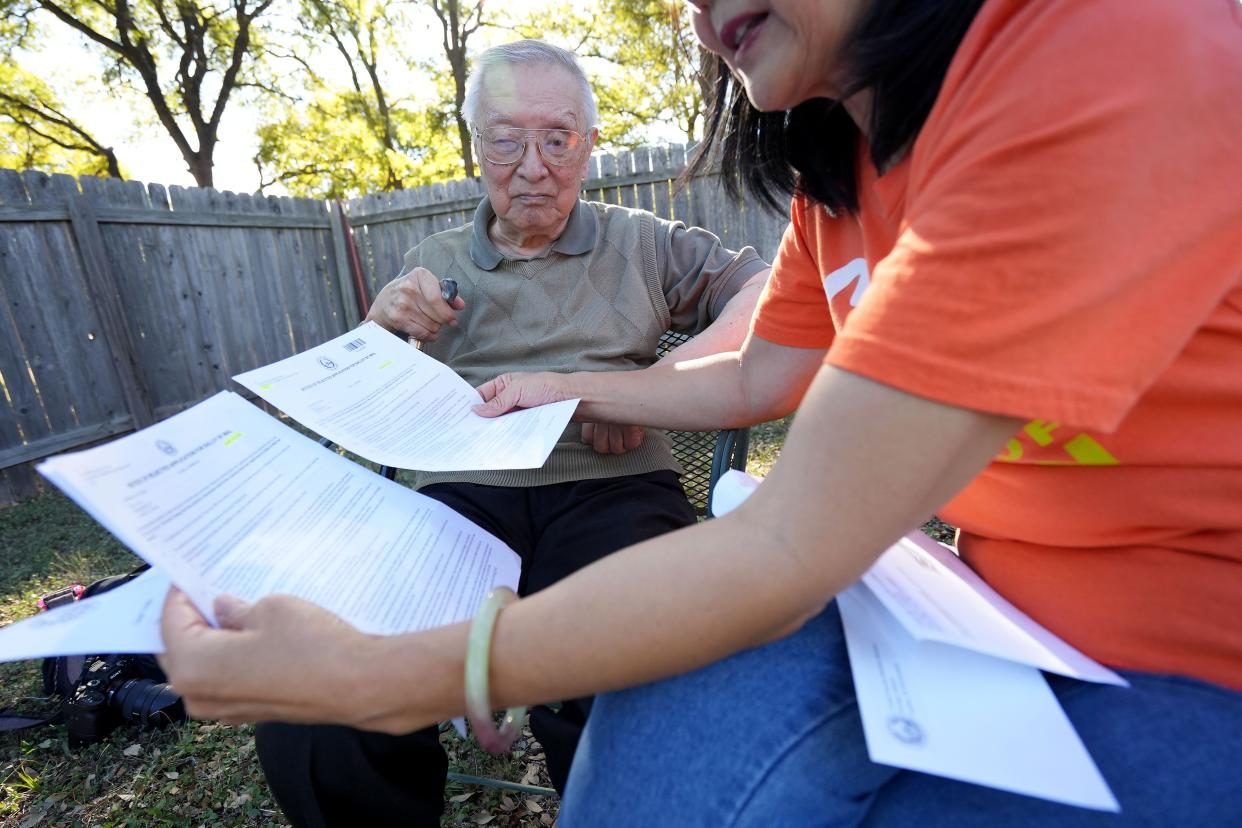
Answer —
281 659
606 438
413 304
512 391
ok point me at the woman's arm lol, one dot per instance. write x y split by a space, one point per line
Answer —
763 381
864 463
726 333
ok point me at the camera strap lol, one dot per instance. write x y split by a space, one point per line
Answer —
11 720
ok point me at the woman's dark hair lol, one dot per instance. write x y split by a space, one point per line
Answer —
900 50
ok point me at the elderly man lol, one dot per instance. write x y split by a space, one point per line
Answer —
547 282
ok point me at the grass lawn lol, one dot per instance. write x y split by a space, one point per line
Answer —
202 773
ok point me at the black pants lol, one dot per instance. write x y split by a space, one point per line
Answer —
328 775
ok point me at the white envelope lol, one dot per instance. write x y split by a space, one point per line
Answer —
947 674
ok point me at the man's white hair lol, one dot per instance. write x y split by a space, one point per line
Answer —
526 53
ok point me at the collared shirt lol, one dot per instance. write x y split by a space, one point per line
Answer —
578 237
597 300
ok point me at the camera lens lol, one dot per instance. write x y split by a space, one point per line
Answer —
149 703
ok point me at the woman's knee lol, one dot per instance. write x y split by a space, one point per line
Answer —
702 745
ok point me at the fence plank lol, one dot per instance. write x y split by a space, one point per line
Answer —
662 192
681 195
21 252
644 189
340 254
590 188
625 174
102 286
608 173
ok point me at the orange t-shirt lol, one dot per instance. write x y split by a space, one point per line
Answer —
1063 243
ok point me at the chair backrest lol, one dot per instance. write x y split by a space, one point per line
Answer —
705 455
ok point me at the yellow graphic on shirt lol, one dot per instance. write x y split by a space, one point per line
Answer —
1039 443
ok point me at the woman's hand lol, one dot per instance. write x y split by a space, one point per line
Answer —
413 304
509 392
280 659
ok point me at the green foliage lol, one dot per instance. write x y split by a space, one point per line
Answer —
327 148
36 133
349 130
50 542
347 105
186 59
644 61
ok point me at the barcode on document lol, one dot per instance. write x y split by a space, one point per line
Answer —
355 344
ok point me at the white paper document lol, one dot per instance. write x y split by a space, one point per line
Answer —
226 499
936 597
376 395
947 674
122 620
952 712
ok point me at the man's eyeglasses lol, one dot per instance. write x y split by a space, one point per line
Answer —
507 145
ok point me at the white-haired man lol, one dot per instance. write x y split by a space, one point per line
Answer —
548 282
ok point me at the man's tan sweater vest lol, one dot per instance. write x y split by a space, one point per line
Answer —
598 300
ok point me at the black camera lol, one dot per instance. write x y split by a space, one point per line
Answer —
113 690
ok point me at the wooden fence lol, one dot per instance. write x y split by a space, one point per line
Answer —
386 225
124 303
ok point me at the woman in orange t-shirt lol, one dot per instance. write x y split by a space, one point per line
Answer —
1011 292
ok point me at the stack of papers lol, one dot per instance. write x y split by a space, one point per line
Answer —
947 674
223 498
383 399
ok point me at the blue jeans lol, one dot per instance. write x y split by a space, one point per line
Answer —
771 737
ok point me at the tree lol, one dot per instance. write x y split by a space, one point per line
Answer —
458 21
186 58
356 125
37 132
655 62
360 31
644 60
328 148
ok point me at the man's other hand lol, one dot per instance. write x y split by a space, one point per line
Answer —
413 304
607 438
